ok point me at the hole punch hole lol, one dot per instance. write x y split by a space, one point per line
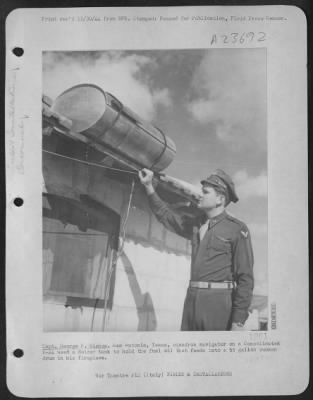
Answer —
18 201
18 353
18 51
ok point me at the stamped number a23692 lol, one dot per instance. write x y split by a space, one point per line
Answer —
238 38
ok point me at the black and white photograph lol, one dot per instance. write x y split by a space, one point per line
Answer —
155 190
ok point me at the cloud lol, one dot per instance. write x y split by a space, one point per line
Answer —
229 92
247 186
162 97
126 76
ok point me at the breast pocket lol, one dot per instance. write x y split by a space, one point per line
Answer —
220 245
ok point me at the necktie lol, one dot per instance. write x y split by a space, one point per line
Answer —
203 229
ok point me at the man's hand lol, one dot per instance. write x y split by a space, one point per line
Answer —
146 177
237 327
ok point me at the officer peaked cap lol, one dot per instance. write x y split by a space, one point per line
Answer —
222 181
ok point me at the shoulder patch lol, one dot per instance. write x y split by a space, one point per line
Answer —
241 226
245 234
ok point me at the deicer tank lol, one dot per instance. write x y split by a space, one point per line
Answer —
102 118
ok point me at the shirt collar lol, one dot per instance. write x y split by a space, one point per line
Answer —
216 219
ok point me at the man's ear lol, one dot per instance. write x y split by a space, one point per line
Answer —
221 200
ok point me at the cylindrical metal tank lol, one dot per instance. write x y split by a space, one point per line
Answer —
103 118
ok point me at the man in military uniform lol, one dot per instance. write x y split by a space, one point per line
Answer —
221 284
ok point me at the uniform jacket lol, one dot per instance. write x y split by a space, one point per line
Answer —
224 254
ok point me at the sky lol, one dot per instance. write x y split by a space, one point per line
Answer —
211 102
